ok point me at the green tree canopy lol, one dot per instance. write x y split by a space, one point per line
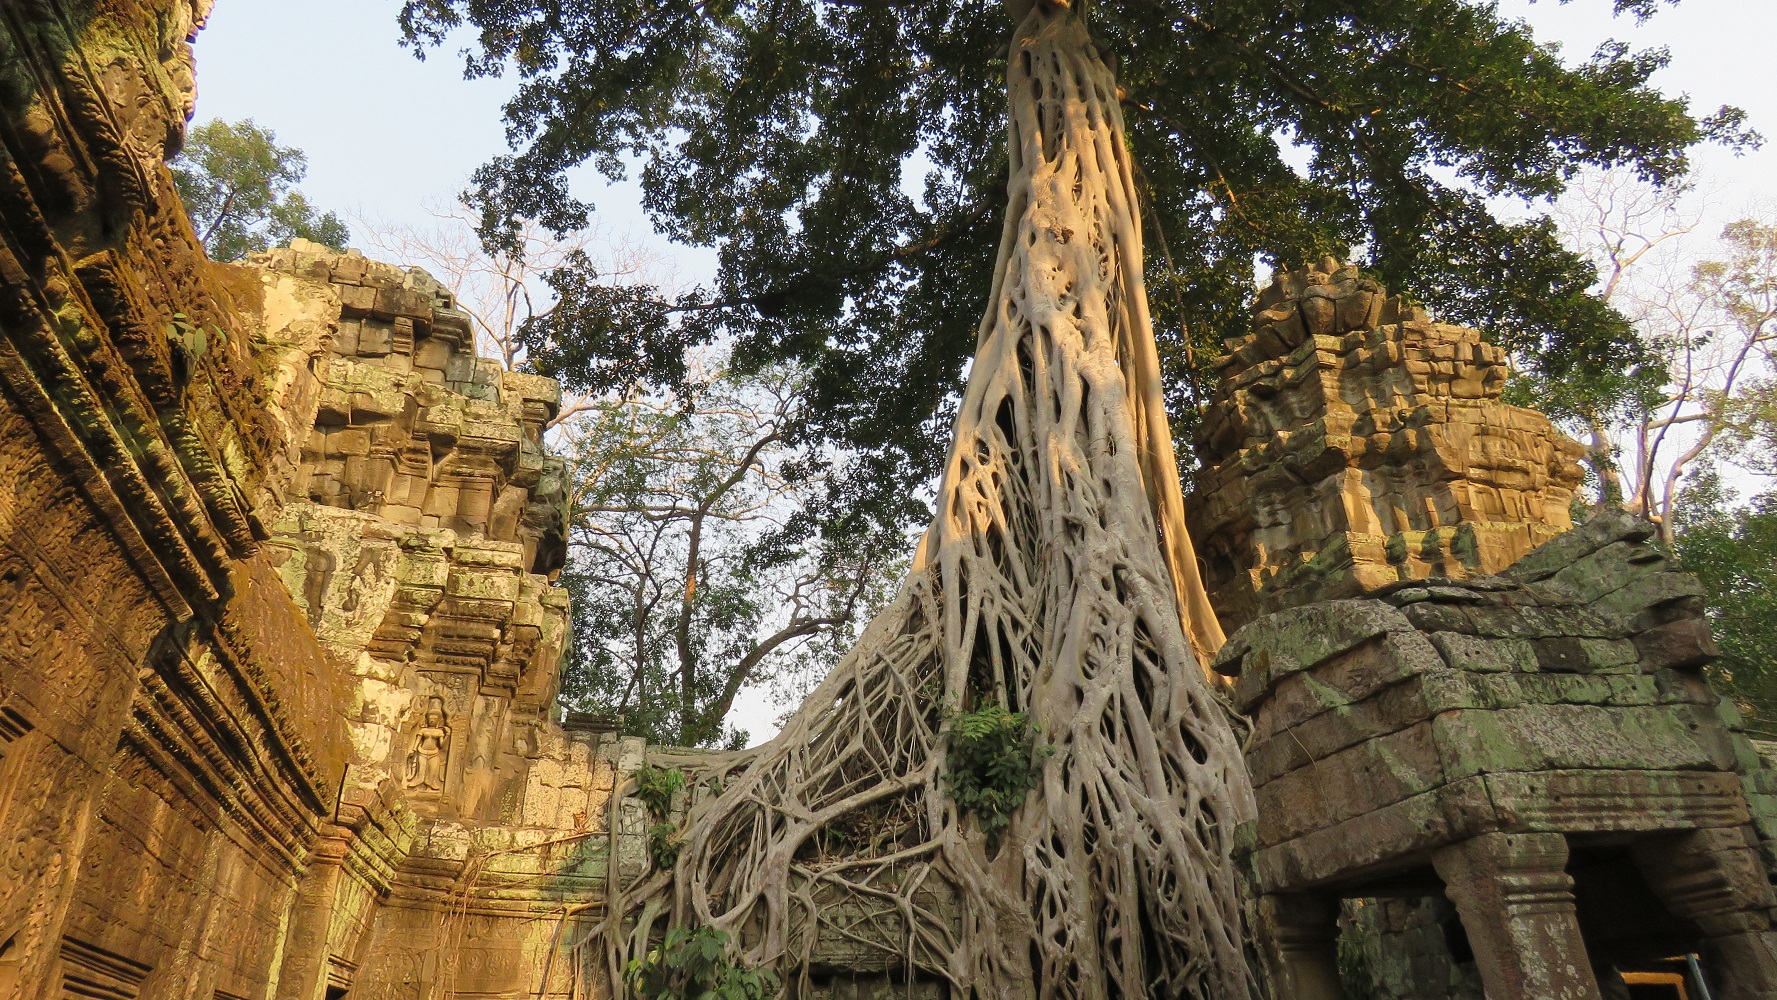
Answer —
1733 550
238 185
847 159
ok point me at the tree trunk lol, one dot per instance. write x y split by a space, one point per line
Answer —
1051 582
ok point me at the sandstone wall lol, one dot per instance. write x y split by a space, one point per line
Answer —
421 527
168 744
278 639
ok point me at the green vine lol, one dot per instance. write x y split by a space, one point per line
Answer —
655 787
993 762
695 965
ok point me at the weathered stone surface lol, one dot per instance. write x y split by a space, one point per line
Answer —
278 634
419 533
169 741
1373 450
1401 950
1437 720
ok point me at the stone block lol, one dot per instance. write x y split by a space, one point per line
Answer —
392 302
1278 645
1372 842
1353 677
1555 737
373 339
1681 645
1561 655
1647 592
350 441
1473 653
1617 801
1605 528
356 302
434 353
1360 779
1609 568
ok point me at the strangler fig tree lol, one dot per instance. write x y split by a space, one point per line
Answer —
845 160
1056 587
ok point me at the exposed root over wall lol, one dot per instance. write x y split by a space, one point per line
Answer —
1051 583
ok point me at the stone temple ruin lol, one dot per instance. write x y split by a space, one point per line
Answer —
279 637
1352 442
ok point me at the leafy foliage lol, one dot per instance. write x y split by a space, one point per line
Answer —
992 762
695 965
696 564
190 340
847 161
236 181
656 786
665 840
1733 550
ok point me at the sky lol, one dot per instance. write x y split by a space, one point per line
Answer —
388 135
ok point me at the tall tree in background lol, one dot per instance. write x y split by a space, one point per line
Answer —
1700 430
696 568
844 158
504 290
1706 316
238 185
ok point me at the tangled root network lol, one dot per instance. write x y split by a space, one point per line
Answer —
1050 582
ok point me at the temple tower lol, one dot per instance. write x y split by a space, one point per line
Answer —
1353 442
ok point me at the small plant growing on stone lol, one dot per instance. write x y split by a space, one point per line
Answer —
993 762
695 965
655 787
664 843
192 337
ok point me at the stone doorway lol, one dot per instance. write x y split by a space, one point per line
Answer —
1580 918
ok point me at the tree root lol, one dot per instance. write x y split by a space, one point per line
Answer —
1051 582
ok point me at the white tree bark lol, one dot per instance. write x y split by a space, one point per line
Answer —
1051 582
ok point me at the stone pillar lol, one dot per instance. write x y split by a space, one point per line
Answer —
1301 945
1714 879
1516 902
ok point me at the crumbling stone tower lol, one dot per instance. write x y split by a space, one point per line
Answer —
1353 442
1440 712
